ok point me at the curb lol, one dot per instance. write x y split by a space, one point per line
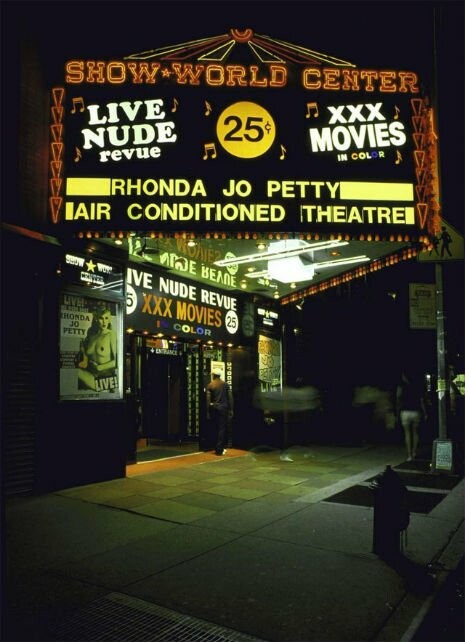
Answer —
410 613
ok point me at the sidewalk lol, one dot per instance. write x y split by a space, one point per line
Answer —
241 547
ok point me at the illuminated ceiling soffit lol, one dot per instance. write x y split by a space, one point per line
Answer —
323 262
293 260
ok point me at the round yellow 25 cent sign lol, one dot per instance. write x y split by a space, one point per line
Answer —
246 130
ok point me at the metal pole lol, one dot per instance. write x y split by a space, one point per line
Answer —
442 447
284 385
441 387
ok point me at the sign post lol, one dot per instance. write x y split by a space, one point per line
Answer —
442 447
447 245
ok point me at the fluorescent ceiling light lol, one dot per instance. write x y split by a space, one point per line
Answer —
263 274
293 269
292 260
281 249
350 259
290 269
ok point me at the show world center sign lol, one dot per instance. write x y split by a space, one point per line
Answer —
184 138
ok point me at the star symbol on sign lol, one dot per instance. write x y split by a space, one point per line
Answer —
90 265
166 73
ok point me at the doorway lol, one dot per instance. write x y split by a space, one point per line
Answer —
163 396
169 399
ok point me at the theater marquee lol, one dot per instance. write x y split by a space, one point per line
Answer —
182 138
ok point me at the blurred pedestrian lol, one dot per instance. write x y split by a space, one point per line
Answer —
379 411
411 411
249 425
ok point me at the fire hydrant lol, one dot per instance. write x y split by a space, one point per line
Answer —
391 515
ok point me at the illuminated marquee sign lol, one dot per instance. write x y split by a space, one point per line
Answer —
268 318
300 142
93 272
157 303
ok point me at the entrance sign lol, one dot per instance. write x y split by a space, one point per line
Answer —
188 138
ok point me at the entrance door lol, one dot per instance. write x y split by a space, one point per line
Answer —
163 396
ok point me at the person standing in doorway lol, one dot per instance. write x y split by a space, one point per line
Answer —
411 411
219 409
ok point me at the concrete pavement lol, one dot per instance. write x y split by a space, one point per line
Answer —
240 547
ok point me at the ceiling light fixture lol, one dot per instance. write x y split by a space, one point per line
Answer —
300 304
298 265
281 249
350 259
258 275
290 269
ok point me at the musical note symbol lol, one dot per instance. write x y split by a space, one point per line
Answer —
175 105
208 108
78 101
310 106
397 112
78 155
209 147
399 157
283 152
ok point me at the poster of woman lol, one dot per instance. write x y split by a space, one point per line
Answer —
89 335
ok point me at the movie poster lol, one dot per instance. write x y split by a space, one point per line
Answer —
90 348
269 363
